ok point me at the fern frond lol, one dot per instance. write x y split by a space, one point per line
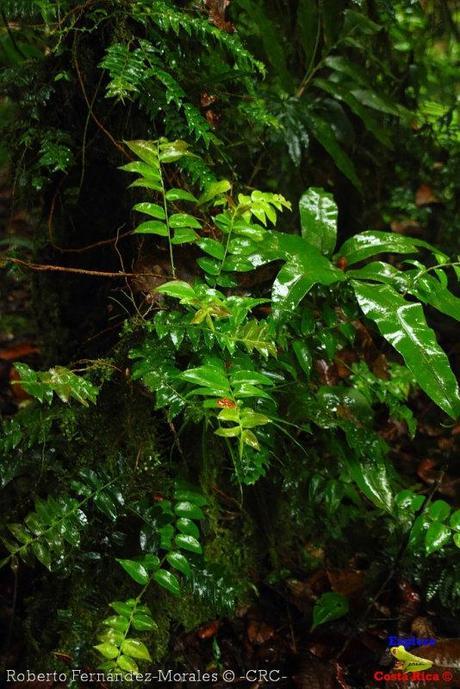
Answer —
256 335
168 18
126 69
60 521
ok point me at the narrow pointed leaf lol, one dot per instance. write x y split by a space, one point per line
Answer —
370 243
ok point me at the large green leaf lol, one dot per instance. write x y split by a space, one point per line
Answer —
428 289
188 543
436 537
306 267
404 325
145 150
371 476
370 243
179 562
187 509
178 289
425 287
210 377
318 219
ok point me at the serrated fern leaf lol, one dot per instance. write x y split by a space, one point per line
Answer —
256 335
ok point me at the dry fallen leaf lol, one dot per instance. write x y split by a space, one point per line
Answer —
425 195
259 632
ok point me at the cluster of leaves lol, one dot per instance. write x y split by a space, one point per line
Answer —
60 381
216 325
244 350
58 521
177 533
433 528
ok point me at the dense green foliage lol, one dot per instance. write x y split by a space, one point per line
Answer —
259 335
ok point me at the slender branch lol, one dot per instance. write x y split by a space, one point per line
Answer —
165 207
90 109
310 70
42 267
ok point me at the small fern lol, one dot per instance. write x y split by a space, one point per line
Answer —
178 533
60 521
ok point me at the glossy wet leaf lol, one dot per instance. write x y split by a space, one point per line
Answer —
214 189
128 664
152 209
135 649
189 510
209 376
124 607
371 476
178 289
183 220
176 194
184 492
455 520
190 543
371 243
145 150
188 527
298 276
184 235
136 570
436 537
318 219
143 622
107 650
439 510
168 581
404 325
179 562
303 355
152 227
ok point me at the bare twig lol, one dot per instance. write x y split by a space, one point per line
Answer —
82 271
90 108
